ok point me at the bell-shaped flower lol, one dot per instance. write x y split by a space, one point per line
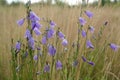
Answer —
20 22
33 16
83 33
89 44
37 32
51 50
28 34
52 24
89 14
18 46
82 21
64 42
114 46
61 35
58 65
44 40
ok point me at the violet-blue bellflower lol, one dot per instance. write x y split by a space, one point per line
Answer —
51 50
91 63
35 57
52 24
50 33
82 21
114 47
31 43
33 16
44 40
89 14
20 22
58 65
61 35
37 32
89 44
47 68
84 59
83 33
28 34
18 46
35 24
64 42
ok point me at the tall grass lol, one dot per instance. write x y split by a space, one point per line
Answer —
106 61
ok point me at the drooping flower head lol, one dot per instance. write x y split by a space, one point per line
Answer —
89 44
82 21
47 68
35 24
51 50
83 33
92 29
84 59
28 34
20 22
114 46
35 57
31 43
50 33
52 24
37 32
89 14
64 42
91 63
18 46
61 35
33 16
58 65
44 40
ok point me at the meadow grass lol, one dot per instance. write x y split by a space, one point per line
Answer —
106 61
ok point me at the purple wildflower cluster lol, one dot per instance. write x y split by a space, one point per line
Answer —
34 27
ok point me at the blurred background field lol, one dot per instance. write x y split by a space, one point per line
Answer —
66 17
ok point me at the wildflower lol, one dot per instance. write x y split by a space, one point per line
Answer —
61 35
36 24
20 22
35 57
51 50
89 44
28 34
50 33
82 21
47 68
37 32
52 24
75 63
58 65
31 42
91 63
114 46
84 59
92 29
18 46
83 33
44 40
33 16
89 14
64 42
